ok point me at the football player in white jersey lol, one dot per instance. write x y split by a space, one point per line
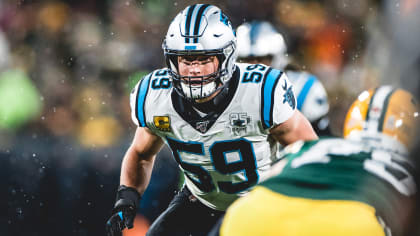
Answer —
260 42
222 120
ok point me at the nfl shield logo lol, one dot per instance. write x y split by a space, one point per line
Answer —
202 126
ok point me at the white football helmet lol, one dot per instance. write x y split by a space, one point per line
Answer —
260 39
312 99
200 29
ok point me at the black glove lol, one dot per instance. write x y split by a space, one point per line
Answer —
124 210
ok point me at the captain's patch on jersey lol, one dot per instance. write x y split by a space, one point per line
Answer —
289 96
162 123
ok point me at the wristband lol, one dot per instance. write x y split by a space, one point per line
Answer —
127 195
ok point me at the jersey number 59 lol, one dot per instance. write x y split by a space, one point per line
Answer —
218 150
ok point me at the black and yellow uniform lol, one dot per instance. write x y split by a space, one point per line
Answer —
327 187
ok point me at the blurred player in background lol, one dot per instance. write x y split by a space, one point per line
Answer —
360 185
260 42
222 120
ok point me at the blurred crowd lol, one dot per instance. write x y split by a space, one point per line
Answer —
67 68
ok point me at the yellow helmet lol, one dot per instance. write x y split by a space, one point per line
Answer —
384 110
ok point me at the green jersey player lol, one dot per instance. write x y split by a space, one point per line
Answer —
360 185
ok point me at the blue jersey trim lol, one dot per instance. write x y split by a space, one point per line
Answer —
143 89
304 91
268 88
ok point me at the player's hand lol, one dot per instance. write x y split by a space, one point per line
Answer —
124 211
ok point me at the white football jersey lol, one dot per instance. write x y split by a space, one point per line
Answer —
227 151
311 96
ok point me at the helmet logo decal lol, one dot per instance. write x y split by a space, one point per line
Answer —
225 19
288 96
